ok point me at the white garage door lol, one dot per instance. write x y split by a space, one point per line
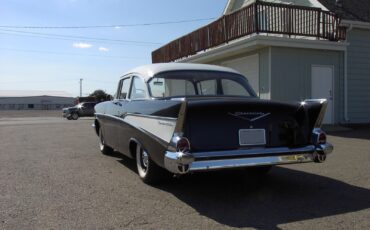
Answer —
249 67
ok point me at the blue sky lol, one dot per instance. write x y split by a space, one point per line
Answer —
33 62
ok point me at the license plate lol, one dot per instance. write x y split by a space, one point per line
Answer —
252 137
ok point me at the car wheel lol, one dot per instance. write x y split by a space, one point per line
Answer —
103 147
74 116
69 118
148 171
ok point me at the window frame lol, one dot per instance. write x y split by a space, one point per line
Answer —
147 96
235 77
119 90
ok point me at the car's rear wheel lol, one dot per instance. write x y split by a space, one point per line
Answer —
103 147
74 116
148 171
69 118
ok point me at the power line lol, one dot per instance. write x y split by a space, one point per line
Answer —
107 26
69 37
71 54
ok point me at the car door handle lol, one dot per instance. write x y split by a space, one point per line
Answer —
117 103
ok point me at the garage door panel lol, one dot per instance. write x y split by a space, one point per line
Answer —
249 67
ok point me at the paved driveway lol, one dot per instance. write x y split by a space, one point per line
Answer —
52 176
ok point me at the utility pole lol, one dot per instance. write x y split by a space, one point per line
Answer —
81 87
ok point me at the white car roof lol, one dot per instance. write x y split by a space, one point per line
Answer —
148 71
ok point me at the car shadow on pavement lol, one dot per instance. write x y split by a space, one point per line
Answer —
284 196
237 199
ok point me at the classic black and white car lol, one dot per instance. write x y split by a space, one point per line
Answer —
182 118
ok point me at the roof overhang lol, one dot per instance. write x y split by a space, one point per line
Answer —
229 6
356 24
255 42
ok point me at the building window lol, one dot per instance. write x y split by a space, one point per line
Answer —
11 106
31 106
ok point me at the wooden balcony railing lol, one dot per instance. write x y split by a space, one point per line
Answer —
257 18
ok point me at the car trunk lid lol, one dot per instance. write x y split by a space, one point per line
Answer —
234 123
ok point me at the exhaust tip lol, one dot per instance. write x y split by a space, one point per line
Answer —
319 157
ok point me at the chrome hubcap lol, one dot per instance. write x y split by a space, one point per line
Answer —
101 141
144 159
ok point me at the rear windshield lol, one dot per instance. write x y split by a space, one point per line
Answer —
195 83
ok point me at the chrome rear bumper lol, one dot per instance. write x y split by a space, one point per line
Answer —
181 163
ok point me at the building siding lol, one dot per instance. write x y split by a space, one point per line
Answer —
263 55
265 91
358 54
291 75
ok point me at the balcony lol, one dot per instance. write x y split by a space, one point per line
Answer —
258 18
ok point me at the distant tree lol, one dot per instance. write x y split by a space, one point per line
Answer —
100 95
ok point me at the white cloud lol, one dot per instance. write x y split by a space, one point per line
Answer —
103 49
81 45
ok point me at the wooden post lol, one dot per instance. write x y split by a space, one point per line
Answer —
256 21
318 23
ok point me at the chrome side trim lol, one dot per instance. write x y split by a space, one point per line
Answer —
150 116
137 115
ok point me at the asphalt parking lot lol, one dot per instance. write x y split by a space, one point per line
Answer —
52 176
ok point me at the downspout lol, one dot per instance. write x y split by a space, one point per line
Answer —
346 118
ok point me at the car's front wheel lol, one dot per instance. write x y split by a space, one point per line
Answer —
103 147
148 171
75 116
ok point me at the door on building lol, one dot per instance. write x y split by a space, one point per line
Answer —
249 67
322 87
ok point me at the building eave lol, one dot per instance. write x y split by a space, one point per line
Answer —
260 41
228 6
356 24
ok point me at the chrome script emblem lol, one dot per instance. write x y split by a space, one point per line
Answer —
249 116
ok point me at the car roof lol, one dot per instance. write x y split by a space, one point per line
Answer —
148 71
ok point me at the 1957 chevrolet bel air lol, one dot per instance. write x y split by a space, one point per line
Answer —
180 118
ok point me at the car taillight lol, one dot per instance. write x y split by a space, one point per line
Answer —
322 138
183 145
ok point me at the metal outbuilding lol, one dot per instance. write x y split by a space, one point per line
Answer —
34 100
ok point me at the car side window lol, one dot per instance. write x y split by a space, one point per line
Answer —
138 89
125 87
207 87
231 87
